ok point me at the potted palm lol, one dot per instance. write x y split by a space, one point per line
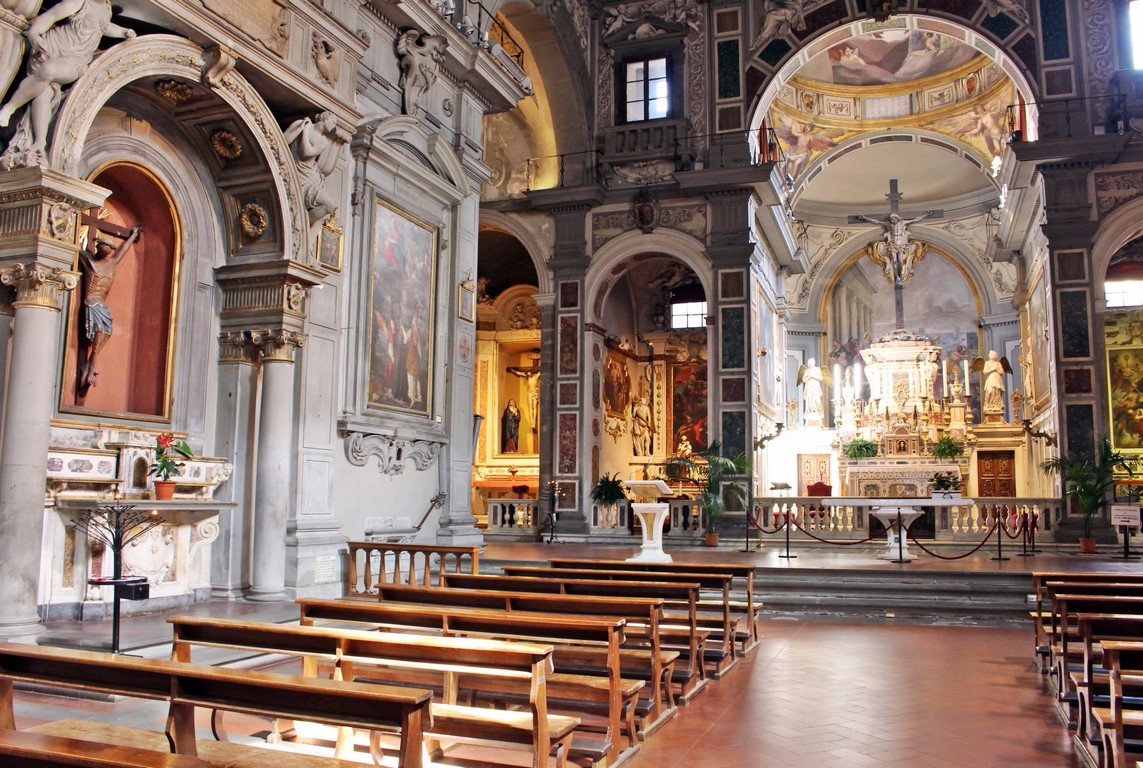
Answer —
1088 481
608 493
713 471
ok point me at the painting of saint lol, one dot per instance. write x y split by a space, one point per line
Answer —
1041 348
688 404
1125 394
402 312
616 386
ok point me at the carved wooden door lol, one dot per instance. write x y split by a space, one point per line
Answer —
996 473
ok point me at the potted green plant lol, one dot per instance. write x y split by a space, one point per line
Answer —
860 448
608 493
945 485
1089 481
713 471
948 447
168 451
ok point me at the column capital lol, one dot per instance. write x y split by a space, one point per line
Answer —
278 345
38 286
237 347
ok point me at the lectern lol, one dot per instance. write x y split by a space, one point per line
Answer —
652 515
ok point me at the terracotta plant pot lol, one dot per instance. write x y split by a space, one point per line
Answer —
1087 546
164 490
710 539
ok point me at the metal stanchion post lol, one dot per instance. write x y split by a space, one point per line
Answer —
787 556
999 536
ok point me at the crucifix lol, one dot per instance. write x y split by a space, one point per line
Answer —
531 376
896 254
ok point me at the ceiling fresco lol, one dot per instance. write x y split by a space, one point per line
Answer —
889 57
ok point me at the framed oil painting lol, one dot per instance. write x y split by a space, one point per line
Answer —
466 301
402 311
1125 397
329 245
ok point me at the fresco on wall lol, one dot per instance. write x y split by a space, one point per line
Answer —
802 141
983 127
1125 397
889 56
688 404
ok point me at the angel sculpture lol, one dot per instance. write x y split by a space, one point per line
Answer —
420 56
778 18
810 378
992 372
803 141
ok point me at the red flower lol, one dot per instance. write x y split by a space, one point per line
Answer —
165 440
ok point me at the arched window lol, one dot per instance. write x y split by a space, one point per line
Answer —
1123 284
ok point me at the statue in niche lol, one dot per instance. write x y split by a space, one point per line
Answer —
60 53
99 261
642 427
315 144
928 366
510 428
421 56
810 378
992 373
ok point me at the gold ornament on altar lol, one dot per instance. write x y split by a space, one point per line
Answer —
911 256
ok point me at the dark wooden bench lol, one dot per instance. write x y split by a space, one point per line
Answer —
1049 584
1091 682
1066 650
21 749
717 616
739 572
445 659
579 642
1121 727
683 634
187 686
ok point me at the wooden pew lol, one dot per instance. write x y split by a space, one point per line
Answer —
578 641
21 749
1091 682
1121 728
723 626
1045 584
187 686
743 572
690 640
1066 651
445 657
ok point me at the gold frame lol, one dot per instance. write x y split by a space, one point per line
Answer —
430 360
466 300
72 309
330 229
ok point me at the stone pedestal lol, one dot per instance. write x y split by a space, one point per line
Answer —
651 519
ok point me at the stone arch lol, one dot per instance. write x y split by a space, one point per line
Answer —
1120 227
614 257
151 56
537 250
764 80
405 131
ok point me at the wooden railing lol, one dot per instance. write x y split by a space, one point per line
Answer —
383 562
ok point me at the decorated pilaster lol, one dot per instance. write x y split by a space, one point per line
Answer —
6 310
39 240
274 467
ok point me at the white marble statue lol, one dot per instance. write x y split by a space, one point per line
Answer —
992 387
810 378
63 41
928 366
421 56
641 427
873 376
315 144
14 16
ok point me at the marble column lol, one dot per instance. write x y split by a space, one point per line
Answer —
274 478
28 403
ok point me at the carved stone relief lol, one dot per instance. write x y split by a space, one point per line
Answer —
264 20
1099 55
690 219
391 452
1114 189
420 56
326 58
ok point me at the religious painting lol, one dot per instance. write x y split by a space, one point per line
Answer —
329 245
616 386
1125 397
889 56
984 126
688 418
466 302
402 311
122 318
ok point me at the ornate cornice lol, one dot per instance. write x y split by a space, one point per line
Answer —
38 286
391 452
277 345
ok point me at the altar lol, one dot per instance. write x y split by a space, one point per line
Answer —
896 515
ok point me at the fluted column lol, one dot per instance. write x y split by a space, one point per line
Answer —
274 479
29 398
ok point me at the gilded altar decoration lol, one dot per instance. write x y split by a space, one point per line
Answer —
402 312
253 219
174 91
226 145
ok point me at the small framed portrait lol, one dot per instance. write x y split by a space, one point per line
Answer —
466 301
329 245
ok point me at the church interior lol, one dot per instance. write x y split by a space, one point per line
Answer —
476 285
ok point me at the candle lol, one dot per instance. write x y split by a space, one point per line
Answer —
967 390
858 382
837 382
944 377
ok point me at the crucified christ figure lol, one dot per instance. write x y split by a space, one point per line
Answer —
896 240
100 260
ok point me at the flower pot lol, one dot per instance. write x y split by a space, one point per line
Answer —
164 490
710 539
1087 546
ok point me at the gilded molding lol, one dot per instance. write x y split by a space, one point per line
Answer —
38 286
278 345
237 347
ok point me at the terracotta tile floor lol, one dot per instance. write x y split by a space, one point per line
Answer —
816 694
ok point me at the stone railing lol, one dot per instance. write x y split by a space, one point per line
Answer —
511 515
962 521
389 562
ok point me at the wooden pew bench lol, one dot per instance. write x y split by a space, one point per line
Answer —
1047 585
1064 642
740 573
683 635
601 692
1120 726
1092 683
187 686
23 749
644 617
716 615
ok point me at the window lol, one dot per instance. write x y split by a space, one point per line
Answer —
647 91
688 314
1124 293
1135 11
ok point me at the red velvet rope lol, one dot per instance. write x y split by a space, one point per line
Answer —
837 543
972 551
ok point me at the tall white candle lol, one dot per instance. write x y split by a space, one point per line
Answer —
837 382
967 389
945 378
